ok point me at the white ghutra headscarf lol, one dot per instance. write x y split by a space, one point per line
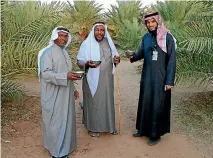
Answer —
54 36
90 50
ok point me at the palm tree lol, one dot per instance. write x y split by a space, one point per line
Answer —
125 10
26 29
80 16
130 35
124 24
192 24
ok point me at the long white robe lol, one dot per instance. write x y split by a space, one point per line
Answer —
99 111
57 100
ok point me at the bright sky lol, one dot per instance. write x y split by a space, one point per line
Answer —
106 3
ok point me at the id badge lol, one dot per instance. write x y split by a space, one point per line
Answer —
155 55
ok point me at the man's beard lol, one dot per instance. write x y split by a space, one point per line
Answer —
154 32
99 40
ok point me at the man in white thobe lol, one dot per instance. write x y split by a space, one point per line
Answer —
98 84
58 95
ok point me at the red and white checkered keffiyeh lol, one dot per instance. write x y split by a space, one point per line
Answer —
161 30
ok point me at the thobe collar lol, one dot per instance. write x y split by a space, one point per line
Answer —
57 47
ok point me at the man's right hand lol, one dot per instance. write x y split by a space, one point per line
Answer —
129 54
90 65
72 76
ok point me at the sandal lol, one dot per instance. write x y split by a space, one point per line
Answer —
94 134
115 133
66 156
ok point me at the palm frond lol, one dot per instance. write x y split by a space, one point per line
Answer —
11 91
191 23
80 16
125 10
26 30
193 68
130 35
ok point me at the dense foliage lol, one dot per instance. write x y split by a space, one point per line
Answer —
26 28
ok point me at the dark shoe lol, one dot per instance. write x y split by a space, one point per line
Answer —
81 105
115 133
153 141
136 134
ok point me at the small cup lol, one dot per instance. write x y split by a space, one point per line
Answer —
129 53
97 63
79 73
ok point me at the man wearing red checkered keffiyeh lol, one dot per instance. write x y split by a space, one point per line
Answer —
161 30
158 51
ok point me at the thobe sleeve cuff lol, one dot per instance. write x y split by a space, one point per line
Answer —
59 79
82 64
170 83
61 76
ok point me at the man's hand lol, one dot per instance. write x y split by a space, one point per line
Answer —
72 76
76 94
90 65
168 87
129 54
116 59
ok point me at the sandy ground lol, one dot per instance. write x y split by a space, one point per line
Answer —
23 139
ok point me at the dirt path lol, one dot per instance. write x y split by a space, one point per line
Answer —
24 139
